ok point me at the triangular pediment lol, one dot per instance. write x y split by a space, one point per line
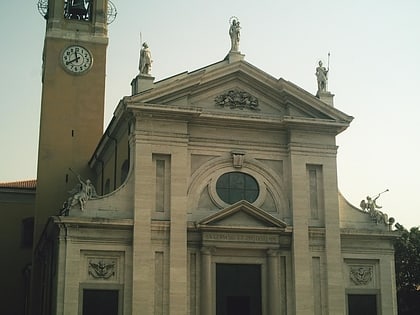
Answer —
238 88
244 215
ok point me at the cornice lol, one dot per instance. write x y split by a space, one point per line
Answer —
148 110
368 234
84 222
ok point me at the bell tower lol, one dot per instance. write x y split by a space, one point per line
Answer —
72 105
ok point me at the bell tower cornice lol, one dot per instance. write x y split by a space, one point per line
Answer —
77 37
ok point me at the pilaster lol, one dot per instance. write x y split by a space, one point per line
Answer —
143 272
273 281
388 285
334 260
178 286
300 246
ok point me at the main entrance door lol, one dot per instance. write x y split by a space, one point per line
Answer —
238 289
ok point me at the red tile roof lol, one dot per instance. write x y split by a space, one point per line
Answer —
24 184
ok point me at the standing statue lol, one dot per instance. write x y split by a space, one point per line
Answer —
145 64
322 77
234 32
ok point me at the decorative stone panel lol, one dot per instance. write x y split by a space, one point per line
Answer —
237 99
102 266
362 274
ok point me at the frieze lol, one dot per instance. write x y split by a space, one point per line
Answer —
240 237
361 275
101 269
236 99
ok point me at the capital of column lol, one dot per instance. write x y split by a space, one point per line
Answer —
272 252
207 250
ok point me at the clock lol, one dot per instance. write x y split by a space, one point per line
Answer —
76 59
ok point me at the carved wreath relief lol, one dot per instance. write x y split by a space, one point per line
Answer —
234 99
101 269
361 275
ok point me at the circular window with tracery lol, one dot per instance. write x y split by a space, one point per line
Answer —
235 186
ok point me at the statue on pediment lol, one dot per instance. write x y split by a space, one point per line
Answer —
145 63
322 77
234 32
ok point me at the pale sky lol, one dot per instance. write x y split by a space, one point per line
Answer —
374 74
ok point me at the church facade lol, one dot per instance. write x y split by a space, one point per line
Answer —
212 192
229 203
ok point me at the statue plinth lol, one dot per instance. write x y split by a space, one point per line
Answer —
142 82
326 97
234 56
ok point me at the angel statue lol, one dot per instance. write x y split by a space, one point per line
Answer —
371 207
80 194
369 204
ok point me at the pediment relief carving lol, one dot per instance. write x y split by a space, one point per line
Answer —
237 99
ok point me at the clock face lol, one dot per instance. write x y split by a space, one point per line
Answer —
76 59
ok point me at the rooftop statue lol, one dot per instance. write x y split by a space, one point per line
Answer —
322 77
371 207
80 195
234 32
145 63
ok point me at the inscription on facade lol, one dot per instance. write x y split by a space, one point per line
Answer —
240 237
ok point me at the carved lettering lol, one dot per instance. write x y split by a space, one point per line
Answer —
235 237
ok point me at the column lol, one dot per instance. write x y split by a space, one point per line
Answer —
273 282
206 297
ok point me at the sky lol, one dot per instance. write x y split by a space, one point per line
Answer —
374 48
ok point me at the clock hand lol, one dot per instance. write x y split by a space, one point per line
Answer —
73 60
